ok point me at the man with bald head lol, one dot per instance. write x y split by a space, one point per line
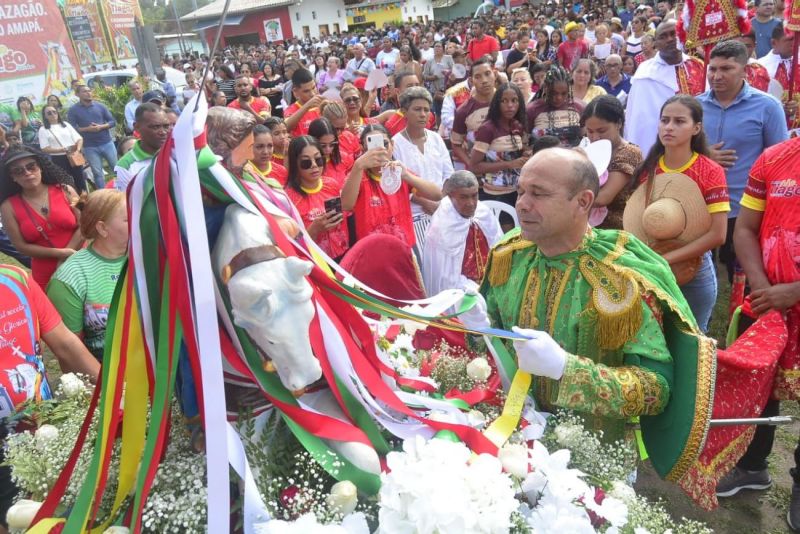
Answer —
360 66
590 303
669 73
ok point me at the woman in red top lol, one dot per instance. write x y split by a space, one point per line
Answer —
36 205
338 162
353 104
280 139
263 146
681 148
309 189
375 211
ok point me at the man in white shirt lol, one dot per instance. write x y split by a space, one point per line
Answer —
130 107
461 233
360 66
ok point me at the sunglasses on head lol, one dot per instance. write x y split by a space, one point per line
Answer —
25 169
306 164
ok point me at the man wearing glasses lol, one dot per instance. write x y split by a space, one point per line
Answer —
615 82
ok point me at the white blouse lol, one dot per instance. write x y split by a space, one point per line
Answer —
434 165
66 135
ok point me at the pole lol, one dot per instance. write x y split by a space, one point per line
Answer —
181 44
778 420
216 44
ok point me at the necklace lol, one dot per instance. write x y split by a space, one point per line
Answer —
423 138
43 207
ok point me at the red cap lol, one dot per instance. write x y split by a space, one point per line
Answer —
360 83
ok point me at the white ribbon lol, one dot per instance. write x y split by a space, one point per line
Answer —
255 511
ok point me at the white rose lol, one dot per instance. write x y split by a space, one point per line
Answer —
71 385
514 457
21 514
117 530
45 434
343 497
479 369
622 491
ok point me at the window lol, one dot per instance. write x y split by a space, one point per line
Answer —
323 30
336 29
306 32
338 15
314 15
359 19
297 15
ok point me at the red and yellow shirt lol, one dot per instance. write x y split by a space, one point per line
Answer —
709 177
305 122
311 206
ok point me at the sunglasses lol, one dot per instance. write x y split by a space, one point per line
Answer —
51 112
352 99
30 168
306 164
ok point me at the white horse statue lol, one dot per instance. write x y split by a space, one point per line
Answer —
271 299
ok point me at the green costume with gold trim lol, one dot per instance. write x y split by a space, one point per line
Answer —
633 346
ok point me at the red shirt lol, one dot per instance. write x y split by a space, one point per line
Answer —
477 48
709 177
279 159
349 144
27 314
339 172
397 123
312 205
305 122
569 52
379 213
275 171
259 104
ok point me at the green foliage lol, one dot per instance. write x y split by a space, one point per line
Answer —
162 18
114 99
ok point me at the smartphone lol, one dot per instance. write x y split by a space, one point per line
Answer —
375 140
333 205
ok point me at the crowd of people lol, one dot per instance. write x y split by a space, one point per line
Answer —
700 167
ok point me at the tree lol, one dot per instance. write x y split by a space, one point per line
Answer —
160 15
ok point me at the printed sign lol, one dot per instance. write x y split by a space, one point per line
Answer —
80 28
92 50
120 16
273 30
36 56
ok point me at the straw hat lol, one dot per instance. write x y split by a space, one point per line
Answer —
676 214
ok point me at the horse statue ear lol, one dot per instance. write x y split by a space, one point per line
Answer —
296 269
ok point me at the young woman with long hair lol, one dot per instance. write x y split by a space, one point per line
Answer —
337 162
554 110
309 187
57 139
280 139
681 148
261 164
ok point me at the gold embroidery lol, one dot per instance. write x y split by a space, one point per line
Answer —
558 281
704 401
501 257
527 311
617 301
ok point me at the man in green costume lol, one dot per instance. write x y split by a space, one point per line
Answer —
610 334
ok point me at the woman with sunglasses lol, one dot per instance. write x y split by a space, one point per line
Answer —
338 163
58 138
357 119
314 195
375 210
37 208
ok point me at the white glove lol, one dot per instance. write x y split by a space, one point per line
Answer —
476 316
540 355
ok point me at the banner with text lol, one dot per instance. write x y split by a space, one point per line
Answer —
85 25
36 56
120 16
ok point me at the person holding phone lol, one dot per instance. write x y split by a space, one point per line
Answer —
317 197
377 211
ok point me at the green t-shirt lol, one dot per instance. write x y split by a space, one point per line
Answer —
7 114
130 164
81 290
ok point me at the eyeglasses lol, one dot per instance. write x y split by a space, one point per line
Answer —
30 168
352 99
51 112
306 164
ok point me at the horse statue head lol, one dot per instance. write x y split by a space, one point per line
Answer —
269 294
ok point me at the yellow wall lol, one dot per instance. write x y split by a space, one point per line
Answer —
378 16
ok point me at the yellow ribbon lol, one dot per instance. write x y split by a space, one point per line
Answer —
502 427
45 525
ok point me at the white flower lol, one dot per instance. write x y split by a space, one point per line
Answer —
45 434
612 510
71 385
622 491
479 369
403 342
21 514
514 457
308 524
343 497
409 325
568 435
116 529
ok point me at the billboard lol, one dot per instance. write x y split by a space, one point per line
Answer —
120 17
36 56
90 43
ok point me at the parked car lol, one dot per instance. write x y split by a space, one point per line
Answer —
118 78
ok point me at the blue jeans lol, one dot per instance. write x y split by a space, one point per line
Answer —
95 156
701 292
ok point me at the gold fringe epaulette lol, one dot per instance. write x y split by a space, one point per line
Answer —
616 301
501 257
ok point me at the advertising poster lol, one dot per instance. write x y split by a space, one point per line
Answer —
36 56
273 30
91 49
120 18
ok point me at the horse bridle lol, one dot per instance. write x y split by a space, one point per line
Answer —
250 256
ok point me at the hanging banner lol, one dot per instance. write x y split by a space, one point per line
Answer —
36 56
92 50
273 30
120 18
